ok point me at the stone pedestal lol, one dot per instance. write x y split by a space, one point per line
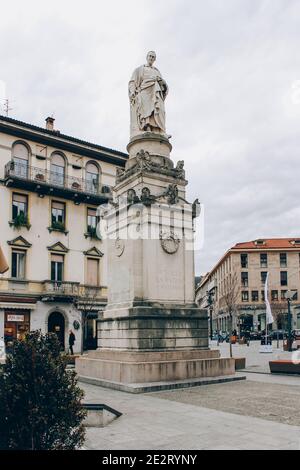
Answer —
151 331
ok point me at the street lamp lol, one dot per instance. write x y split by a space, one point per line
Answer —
289 297
210 300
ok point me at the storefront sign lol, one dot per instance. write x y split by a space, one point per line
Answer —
17 318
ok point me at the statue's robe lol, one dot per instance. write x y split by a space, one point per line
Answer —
147 106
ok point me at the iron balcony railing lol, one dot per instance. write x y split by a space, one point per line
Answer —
69 288
61 288
54 179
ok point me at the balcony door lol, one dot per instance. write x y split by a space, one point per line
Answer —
21 160
57 271
57 173
92 178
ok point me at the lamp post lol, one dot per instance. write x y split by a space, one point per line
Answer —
289 297
210 301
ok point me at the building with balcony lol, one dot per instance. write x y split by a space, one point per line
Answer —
237 283
51 185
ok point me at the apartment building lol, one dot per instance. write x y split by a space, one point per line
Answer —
51 185
238 279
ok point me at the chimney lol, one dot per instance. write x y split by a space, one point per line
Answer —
50 123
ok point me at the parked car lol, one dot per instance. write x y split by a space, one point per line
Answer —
255 335
278 334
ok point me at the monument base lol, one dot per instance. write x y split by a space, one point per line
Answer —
138 372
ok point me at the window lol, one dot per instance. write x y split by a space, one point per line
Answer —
57 169
91 221
92 272
57 268
263 277
244 260
20 157
263 295
92 178
283 278
254 296
283 294
18 264
274 295
245 296
19 207
283 260
58 215
263 260
244 279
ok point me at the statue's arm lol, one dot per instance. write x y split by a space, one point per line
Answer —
163 85
133 84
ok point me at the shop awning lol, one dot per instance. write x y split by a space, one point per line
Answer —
17 306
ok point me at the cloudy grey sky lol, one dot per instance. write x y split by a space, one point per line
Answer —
233 69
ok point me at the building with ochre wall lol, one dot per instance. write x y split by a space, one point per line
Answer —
50 188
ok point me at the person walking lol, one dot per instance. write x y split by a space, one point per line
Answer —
71 341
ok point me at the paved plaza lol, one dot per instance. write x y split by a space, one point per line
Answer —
262 412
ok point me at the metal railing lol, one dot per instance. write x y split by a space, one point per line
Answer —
62 288
55 179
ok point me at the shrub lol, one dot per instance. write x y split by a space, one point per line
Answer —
40 402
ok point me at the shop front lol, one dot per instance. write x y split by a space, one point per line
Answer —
16 325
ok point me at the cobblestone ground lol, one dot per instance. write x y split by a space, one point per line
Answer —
270 401
255 361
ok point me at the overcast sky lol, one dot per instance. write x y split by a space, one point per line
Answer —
233 68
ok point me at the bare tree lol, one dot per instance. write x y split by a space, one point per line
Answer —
88 304
229 301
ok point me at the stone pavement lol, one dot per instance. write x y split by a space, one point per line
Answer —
255 361
154 421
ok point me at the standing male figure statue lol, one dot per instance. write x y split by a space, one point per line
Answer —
147 94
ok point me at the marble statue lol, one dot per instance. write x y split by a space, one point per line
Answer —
147 94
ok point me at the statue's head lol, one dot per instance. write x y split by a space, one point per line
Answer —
151 58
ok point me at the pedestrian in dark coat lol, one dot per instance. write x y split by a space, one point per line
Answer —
71 341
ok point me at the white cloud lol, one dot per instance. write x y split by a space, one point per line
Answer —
233 107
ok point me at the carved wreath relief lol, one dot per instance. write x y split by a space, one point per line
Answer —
169 242
119 247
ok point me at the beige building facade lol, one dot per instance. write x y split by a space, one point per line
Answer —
237 283
51 186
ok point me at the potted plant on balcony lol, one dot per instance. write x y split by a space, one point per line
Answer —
39 177
57 225
76 186
92 233
21 220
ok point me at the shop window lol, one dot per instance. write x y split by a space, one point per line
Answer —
16 325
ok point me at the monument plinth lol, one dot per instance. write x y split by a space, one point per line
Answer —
151 330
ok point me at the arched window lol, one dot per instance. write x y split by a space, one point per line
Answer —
92 178
58 167
21 159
